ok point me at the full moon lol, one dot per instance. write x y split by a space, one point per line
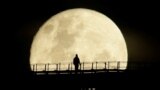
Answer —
88 33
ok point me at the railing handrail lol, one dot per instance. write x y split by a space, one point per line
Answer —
94 65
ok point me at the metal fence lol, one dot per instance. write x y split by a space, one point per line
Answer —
83 66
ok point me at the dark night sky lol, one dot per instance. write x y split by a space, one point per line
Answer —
137 21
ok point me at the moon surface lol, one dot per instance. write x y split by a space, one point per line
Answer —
88 33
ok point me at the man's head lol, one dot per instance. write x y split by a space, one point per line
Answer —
76 55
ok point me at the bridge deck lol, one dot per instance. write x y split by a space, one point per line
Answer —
78 72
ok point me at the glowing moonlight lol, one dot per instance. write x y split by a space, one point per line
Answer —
88 33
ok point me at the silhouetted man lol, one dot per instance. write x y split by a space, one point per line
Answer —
76 63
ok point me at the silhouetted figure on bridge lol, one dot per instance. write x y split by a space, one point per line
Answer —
76 63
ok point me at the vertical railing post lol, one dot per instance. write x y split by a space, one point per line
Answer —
108 65
105 65
92 65
118 65
45 67
68 66
36 67
83 66
59 66
96 67
33 67
80 66
71 66
48 67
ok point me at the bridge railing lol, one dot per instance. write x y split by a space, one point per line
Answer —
83 66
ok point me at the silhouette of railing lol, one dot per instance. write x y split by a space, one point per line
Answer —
83 67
